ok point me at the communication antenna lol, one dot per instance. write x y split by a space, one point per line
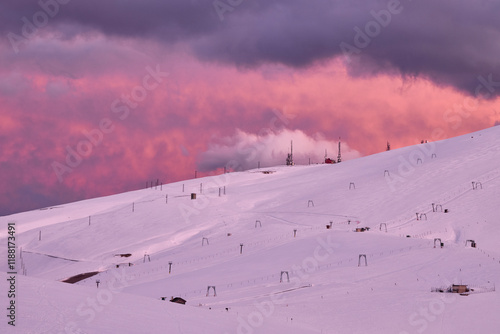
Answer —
339 156
289 158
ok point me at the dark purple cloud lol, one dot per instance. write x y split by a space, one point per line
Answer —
450 42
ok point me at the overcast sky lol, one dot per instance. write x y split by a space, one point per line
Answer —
99 97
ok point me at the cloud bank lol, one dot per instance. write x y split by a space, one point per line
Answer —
452 43
245 151
367 71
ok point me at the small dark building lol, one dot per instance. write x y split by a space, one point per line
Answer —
178 300
459 288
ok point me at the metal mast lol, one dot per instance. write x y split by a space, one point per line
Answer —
339 157
289 158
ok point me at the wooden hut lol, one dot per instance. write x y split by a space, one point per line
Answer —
178 300
459 288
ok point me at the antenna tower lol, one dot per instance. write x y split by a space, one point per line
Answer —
339 156
289 158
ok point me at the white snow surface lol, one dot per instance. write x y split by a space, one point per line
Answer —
278 222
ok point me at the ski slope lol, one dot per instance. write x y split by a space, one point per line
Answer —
248 230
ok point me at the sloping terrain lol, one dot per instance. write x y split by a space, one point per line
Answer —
260 243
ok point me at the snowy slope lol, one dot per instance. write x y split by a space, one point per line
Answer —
280 220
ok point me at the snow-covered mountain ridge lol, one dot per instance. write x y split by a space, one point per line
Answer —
259 240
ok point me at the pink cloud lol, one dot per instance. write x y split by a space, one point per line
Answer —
179 125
